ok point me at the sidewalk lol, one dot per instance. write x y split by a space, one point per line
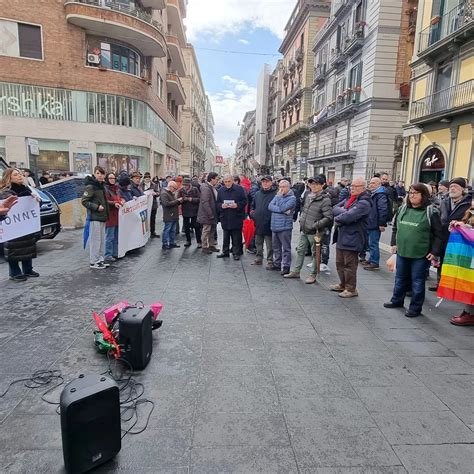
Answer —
249 373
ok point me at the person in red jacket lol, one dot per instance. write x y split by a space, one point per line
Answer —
111 225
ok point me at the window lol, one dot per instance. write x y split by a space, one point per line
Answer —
443 77
114 56
159 85
20 40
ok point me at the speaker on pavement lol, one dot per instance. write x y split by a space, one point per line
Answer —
90 422
135 337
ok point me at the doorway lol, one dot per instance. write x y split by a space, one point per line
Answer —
433 166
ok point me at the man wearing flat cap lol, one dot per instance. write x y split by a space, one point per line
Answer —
452 208
316 217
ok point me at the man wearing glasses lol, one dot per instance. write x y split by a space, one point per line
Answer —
350 217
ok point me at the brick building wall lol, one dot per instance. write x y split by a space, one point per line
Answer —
64 58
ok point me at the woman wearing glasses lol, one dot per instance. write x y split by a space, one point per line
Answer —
417 240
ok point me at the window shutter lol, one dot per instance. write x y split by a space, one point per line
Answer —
30 41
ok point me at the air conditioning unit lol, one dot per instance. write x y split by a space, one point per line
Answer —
93 59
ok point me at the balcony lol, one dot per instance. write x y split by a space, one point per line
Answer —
175 88
175 19
299 128
333 150
445 103
155 4
456 26
299 55
337 59
344 107
354 42
320 74
177 58
116 20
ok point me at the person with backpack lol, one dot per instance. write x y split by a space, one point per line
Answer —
377 222
417 239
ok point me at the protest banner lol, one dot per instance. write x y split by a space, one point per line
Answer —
134 224
22 219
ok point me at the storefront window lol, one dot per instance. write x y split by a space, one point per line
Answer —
432 166
116 158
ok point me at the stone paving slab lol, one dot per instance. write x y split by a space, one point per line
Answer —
250 372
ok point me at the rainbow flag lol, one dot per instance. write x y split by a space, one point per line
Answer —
457 273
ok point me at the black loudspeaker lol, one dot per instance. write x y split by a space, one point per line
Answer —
90 422
135 337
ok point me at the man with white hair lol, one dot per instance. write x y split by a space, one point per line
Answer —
350 217
377 221
170 206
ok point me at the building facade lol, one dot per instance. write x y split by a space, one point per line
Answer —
193 118
297 69
438 139
262 161
211 149
86 82
273 119
361 88
244 161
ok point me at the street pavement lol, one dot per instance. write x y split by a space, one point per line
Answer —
249 373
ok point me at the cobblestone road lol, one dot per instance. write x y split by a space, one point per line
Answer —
250 373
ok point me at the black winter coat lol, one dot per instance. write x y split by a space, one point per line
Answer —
22 248
351 230
190 209
232 219
93 197
450 213
260 213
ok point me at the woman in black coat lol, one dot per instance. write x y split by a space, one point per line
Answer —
22 249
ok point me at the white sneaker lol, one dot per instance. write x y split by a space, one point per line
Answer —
310 265
104 264
323 267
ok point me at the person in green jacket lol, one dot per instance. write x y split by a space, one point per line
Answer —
94 200
417 240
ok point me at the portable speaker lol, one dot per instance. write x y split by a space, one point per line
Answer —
90 422
135 337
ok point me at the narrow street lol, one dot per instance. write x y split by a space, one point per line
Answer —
249 373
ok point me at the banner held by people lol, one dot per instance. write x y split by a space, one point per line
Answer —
134 224
22 219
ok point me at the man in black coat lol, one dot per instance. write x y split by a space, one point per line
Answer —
189 208
451 209
262 216
231 202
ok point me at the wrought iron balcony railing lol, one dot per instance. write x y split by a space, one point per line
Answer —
443 26
445 102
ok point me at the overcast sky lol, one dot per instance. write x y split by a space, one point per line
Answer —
230 80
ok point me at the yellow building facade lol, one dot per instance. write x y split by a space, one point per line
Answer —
438 139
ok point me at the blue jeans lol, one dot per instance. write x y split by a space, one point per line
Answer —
169 233
374 239
111 241
14 267
413 269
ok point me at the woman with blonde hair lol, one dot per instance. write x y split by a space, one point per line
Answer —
22 249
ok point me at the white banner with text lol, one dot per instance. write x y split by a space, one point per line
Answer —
134 224
22 219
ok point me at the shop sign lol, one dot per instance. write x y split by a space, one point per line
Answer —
32 106
219 160
34 146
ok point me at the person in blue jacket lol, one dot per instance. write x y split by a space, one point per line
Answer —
377 221
282 208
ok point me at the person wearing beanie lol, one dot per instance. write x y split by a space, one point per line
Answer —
124 192
452 208
189 209
443 190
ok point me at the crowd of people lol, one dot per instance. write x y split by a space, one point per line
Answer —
352 215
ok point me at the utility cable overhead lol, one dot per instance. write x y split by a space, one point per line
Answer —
227 51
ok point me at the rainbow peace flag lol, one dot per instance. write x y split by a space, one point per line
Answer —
457 273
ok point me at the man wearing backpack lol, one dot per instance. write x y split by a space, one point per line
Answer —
377 221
